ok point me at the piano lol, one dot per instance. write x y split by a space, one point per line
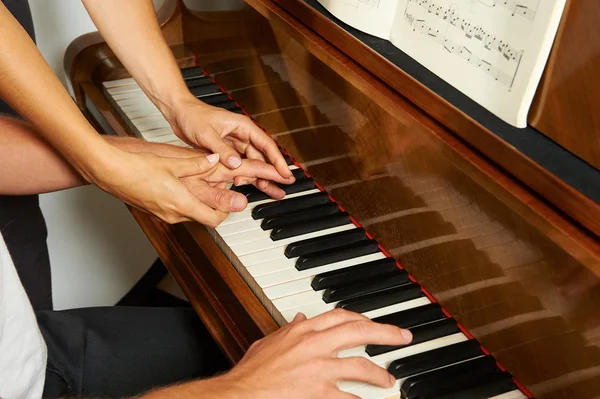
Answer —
412 205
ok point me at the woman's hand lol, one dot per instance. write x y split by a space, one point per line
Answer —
179 184
230 135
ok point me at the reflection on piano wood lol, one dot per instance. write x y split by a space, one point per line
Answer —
508 268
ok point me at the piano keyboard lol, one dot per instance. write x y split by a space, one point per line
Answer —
305 254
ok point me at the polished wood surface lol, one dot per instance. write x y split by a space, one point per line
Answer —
549 186
517 273
565 107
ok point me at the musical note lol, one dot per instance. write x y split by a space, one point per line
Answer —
516 7
488 42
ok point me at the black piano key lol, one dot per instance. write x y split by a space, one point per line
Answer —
290 205
192 73
303 216
200 91
323 243
296 187
382 299
237 111
434 359
486 387
299 174
310 227
199 81
439 381
329 256
413 317
353 291
215 99
354 274
288 160
422 333
229 106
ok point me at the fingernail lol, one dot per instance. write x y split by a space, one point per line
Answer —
234 162
237 203
212 158
242 182
407 335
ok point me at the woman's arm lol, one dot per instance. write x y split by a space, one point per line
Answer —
132 31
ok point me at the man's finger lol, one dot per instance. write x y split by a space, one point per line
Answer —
365 332
362 370
182 167
333 318
214 142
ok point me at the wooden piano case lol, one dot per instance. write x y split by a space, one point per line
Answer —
496 238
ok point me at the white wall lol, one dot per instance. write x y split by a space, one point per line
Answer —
97 250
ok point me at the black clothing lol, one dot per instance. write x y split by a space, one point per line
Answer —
117 352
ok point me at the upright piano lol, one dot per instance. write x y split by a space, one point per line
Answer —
413 204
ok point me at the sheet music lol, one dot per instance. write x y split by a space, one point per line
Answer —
374 17
494 51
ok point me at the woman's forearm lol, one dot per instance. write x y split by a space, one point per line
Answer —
28 85
132 31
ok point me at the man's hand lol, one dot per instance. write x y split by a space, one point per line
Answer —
300 360
228 134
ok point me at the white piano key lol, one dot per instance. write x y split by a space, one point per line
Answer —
294 301
399 307
367 391
150 123
310 310
151 134
119 82
247 236
516 394
292 274
142 113
262 257
236 228
272 266
142 106
265 243
129 95
247 213
137 101
123 89
287 289
166 138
